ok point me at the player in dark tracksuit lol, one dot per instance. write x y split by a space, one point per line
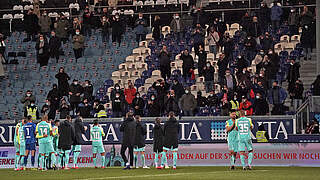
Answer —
158 142
171 135
139 143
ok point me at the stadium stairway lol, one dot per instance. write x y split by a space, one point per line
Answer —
308 71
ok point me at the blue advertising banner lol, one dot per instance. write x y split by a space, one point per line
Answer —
192 130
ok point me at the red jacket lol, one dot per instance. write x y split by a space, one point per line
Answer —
247 107
130 94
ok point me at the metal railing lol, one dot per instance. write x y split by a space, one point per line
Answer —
303 114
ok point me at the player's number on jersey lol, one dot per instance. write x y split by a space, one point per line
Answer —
28 131
44 131
95 135
243 128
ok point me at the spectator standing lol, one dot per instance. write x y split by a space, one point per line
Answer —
28 97
32 110
64 109
296 94
128 128
63 84
250 49
229 80
130 93
293 73
101 112
245 21
115 90
153 107
177 27
117 30
31 25
62 29
156 34
105 22
54 46
76 24
198 38
201 100
177 87
85 109
276 97
54 97
316 86
255 29
188 103
87 90
78 44
2 53
202 59
222 67
45 23
42 48
213 40
276 13
49 110
171 103
208 73
306 17
260 105
164 58
118 105
141 28
306 41
213 100
264 16
138 105
246 106
188 64
86 18
266 42
75 91
293 21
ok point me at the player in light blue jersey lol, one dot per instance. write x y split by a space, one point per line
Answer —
22 142
232 138
30 133
44 131
244 127
96 133
17 145
55 142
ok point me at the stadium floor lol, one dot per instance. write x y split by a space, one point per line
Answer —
221 173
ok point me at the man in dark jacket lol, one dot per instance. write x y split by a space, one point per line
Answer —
31 25
208 73
141 28
178 88
201 60
188 64
75 92
118 106
66 139
171 138
222 67
138 105
164 58
158 137
198 38
117 30
128 127
54 46
85 108
260 105
139 143
42 48
250 49
63 84
276 96
171 103
115 90
153 106
293 73
88 90
79 129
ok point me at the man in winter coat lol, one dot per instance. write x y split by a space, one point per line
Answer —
31 25
62 29
45 23
63 84
188 64
276 97
164 58
138 104
66 139
78 44
171 103
128 128
26 100
178 89
75 92
276 13
208 73
54 46
188 103
79 129
171 138
141 28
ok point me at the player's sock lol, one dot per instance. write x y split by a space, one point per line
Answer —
135 159
143 159
164 159
25 161
32 161
232 160
16 161
53 159
75 158
156 157
60 156
95 162
250 157
242 158
41 159
67 156
175 158
22 161
103 161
